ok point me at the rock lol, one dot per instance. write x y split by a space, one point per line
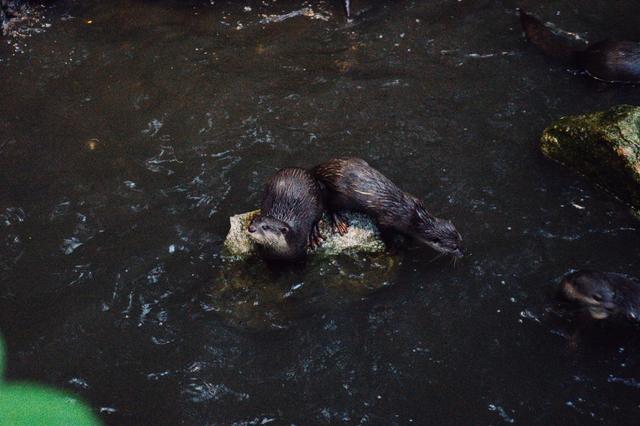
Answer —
363 237
604 146
255 295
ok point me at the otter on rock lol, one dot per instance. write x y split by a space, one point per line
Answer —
351 184
290 211
603 294
609 60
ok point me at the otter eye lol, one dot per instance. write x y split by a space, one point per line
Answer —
265 227
437 240
597 297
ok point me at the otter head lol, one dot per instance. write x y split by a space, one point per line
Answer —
437 233
271 235
592 290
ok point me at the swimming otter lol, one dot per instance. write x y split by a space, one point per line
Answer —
609 60
290 211
603 293
352 184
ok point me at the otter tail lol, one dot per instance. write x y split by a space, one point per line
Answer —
548 41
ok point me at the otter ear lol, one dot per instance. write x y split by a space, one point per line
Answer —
284 229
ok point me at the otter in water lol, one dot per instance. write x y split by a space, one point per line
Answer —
603 294
352 184
290 211
609 60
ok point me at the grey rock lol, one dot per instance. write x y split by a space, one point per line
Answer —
363 237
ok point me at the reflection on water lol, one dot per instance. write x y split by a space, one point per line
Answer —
259 296
132 130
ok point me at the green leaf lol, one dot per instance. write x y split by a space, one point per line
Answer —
23 404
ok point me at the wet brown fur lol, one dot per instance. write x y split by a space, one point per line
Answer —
609 60
292 201
351 184
603 293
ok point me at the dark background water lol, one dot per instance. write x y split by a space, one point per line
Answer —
131 130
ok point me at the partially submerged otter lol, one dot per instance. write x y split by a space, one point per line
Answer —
603 294
290 211
352 184
609 60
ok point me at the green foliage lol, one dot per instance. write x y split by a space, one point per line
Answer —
33 405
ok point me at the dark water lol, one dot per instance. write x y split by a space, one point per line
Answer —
131 130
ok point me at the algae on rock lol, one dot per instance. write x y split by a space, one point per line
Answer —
604 146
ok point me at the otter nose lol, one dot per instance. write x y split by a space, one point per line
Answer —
252 229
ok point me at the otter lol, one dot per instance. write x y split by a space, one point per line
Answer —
603 294
289 216
352 184
608 60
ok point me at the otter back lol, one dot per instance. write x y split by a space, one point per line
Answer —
351 184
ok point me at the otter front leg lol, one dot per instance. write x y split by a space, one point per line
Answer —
315 236
339 223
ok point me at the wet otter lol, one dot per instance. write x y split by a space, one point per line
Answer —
352 184
290 211
603 294
609 60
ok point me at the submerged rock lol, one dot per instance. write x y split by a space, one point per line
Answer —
256 295
363 237
604 146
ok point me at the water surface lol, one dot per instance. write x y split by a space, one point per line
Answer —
132 130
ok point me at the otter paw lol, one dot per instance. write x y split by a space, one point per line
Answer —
340 223
315 237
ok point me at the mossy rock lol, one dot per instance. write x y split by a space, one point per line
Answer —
604 146
363 237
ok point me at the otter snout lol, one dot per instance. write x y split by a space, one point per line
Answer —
594 291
